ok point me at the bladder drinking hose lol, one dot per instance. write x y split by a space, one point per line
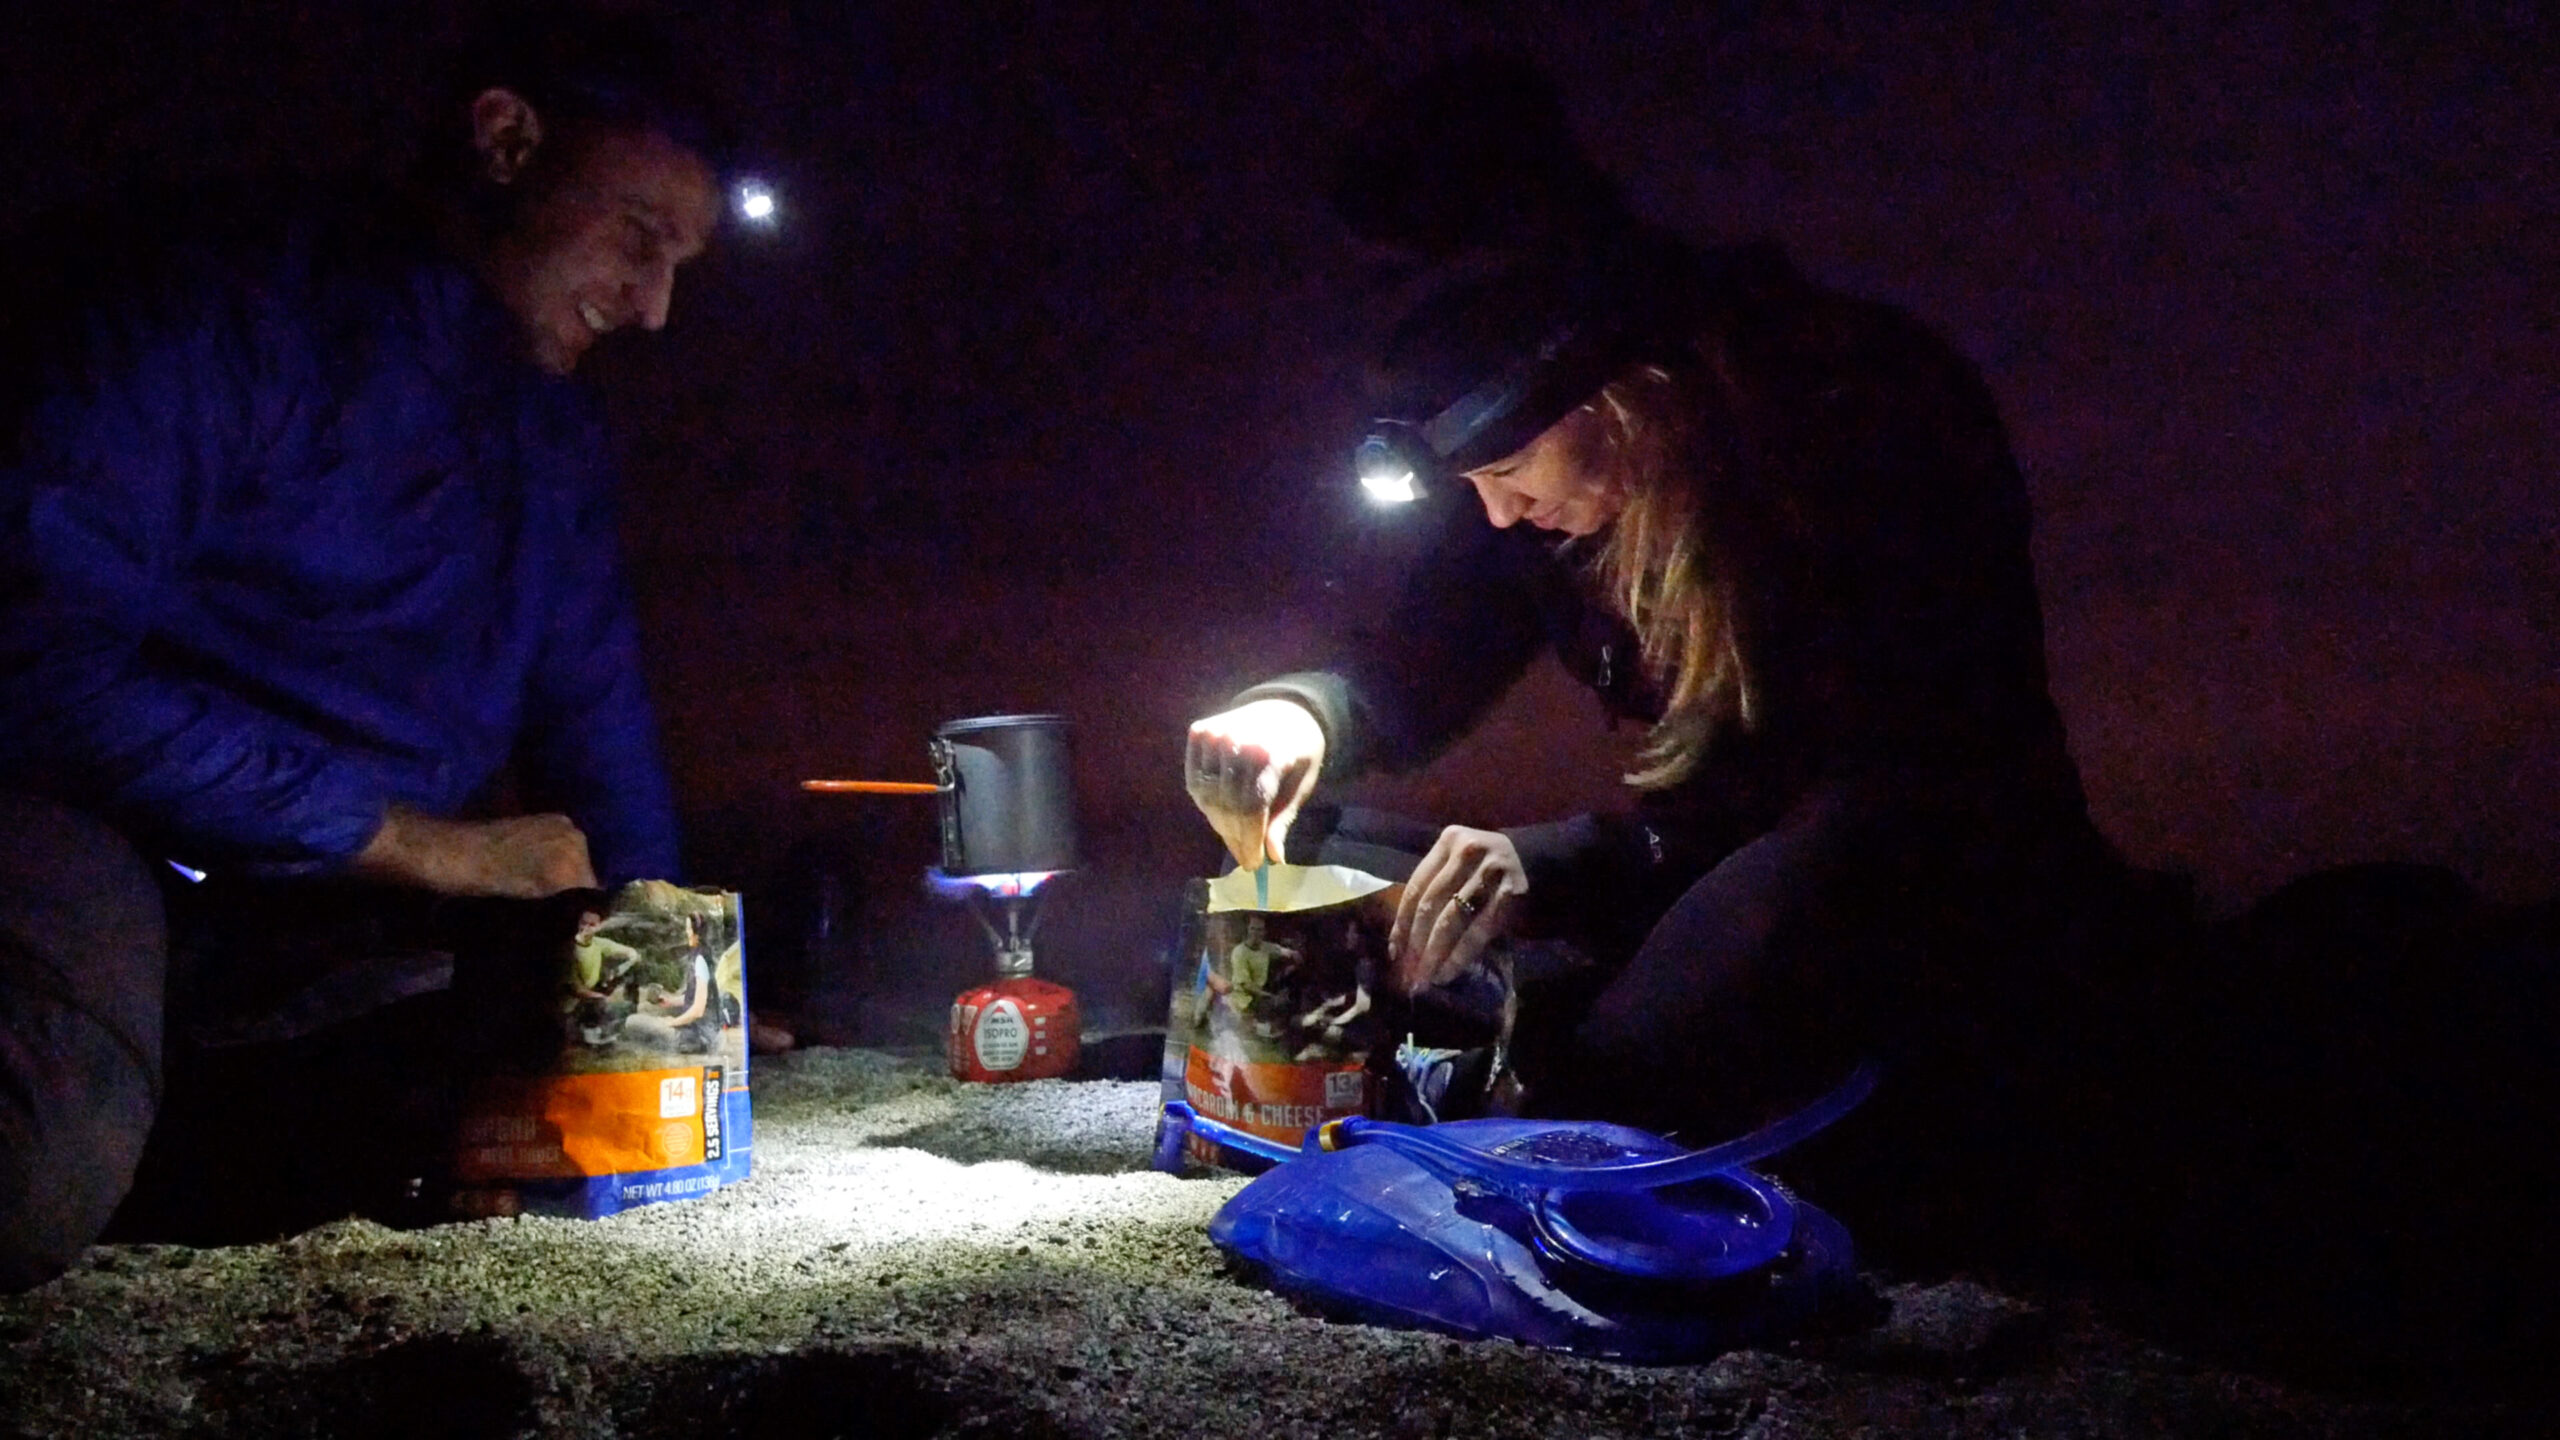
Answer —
1420 1141
1631 1218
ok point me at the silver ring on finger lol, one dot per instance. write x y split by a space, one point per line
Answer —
1467 906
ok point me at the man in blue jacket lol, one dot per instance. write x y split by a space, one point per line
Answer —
305 538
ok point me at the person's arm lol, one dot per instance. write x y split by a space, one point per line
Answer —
522 857
127 450
697 993
1465 627
590 741
1587 858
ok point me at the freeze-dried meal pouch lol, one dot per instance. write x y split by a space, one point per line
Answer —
639 1092
1271 1022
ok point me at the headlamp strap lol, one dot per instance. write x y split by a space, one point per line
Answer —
1470 414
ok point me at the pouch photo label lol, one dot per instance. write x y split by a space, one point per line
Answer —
644 1098
1272 1018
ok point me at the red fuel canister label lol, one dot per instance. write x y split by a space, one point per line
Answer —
1019 1029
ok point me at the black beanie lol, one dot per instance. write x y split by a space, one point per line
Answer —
1526 339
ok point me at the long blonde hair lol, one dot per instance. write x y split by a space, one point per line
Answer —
1667 564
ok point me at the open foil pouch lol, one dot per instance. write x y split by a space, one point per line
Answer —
1272 1019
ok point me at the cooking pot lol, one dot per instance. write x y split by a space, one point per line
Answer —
1007 792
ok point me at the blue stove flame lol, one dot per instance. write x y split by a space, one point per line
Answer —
1011 885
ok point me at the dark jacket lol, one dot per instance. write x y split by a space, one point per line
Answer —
1894 634
289 534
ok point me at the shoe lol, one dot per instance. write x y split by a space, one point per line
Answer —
1429 1085
769 1037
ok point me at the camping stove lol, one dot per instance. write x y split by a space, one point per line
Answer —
1020 1027
1007 800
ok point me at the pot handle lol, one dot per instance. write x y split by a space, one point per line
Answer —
946 776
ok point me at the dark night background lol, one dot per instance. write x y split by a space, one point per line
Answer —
1027 406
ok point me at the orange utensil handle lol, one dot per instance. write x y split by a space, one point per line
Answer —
872 787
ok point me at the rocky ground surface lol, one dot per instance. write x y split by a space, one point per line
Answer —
916 1257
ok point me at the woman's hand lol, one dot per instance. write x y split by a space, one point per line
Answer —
1249 769
1464 893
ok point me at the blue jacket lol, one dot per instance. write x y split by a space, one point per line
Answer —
289 534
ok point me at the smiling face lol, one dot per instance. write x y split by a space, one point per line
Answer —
1555 482
606 218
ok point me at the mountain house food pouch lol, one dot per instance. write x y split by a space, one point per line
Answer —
635 1090
1272 1019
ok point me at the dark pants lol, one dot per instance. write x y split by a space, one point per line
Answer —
291 1053
83 972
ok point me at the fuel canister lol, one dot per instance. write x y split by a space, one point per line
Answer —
1018 1028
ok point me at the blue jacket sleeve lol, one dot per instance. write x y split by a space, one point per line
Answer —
122 453
590 742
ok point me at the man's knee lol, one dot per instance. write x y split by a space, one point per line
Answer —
71 1136
83 963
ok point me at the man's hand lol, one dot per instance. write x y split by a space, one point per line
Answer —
1464 893
522 858
1249 770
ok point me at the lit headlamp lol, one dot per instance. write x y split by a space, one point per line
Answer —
753 201
1400 460
1391 463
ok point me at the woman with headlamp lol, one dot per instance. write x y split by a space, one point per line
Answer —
1783 529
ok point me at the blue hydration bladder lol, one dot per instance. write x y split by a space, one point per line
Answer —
1580 1236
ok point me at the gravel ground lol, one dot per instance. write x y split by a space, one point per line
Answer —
916 1257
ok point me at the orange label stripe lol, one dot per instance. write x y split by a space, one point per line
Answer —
570 1126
